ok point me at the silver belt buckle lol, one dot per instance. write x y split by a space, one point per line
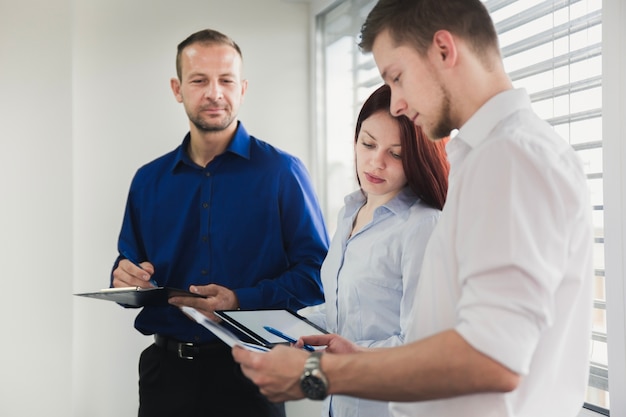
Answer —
181 354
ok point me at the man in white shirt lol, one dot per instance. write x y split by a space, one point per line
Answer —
502 316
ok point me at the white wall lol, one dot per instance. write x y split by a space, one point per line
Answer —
84 101
36 207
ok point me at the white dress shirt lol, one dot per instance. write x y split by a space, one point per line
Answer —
370 280
509 265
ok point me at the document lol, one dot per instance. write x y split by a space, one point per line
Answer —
139 297
224 334
270 327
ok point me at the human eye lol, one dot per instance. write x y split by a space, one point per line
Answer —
366 144
396 152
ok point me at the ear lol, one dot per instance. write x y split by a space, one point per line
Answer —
244 88
175 85
444 48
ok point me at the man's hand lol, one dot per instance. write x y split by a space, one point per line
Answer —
277 372
333 343
217 298
128 274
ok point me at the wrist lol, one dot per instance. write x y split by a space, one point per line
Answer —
313 381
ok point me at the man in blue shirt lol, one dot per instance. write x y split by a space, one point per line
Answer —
226 216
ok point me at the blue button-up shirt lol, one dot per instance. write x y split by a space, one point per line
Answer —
370 280
249 221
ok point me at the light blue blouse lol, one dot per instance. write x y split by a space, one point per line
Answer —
370 281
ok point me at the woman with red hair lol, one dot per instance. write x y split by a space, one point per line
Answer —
371 272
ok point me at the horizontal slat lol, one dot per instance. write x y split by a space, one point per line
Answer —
598 337
573 57
547 36
575 87
366 65
495 5
595 176
369 83
531 14
600 411
599 376
597 144
575 117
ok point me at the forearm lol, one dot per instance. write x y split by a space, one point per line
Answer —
441 366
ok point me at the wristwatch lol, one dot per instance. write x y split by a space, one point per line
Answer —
313 382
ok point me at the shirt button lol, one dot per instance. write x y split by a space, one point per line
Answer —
203 272
205 238
205 205
208 174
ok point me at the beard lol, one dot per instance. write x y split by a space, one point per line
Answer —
444 124
210 124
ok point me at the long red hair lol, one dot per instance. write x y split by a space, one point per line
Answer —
424 161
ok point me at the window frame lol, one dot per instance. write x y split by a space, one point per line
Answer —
614 168
614 181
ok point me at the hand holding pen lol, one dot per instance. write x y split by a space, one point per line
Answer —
289 339
124 277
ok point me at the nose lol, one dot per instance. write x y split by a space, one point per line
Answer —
378 159
397 105
213 91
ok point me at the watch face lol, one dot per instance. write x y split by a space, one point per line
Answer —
313 387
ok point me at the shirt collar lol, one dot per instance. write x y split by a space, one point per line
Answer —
239 145
497 108
353 202
399 205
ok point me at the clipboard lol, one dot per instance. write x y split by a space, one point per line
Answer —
139 297
252 324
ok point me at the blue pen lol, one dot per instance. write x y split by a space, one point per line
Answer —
132 261
287 338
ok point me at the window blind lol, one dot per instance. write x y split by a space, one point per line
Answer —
552 48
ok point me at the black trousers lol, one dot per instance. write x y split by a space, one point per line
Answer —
211 385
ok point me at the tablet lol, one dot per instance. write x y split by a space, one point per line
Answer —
225 335
252 323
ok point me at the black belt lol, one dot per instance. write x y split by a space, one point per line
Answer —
186 350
